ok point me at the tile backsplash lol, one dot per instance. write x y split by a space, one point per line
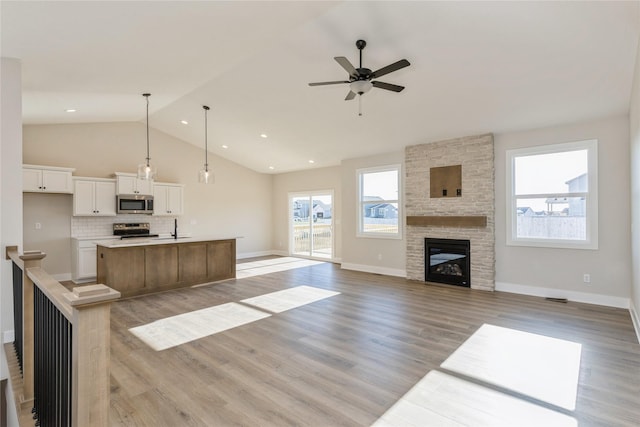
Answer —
103 226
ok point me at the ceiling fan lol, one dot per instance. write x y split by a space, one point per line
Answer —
361 79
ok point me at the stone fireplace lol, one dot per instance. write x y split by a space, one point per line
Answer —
469 215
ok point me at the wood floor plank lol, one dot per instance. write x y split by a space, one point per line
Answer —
347 359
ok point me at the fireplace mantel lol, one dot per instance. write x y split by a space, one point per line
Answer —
448 220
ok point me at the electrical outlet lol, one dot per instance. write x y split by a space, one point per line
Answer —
586 278
38 226
379 257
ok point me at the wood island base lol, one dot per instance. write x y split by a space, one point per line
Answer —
143 269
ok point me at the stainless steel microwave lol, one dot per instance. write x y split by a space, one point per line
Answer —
134 204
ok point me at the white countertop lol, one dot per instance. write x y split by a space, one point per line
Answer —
161 240
107 237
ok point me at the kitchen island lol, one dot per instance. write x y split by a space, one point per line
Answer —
142 266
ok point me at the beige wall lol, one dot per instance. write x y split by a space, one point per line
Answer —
254 205
634 122
307 181
53 212
227 208
384 256
559 272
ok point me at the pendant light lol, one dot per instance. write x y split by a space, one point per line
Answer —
206 176
147 171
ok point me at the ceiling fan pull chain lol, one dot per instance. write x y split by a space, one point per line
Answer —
360 105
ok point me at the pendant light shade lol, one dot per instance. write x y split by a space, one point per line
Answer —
205 176
146 170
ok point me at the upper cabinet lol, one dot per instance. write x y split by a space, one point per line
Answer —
128 183
46 179
167 199
94 197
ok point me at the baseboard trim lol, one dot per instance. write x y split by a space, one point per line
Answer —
374 269
585 297
8 336
635 319
253 254
279 253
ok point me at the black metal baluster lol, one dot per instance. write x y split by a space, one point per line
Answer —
17 313
37 350
56 365
52 363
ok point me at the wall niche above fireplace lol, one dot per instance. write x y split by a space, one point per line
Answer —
445 181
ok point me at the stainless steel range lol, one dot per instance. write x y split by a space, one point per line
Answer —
132 230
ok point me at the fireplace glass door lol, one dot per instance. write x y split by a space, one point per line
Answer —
447 261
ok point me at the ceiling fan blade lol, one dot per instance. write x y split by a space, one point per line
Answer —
344 62
350 96
387 86
329 83
389 69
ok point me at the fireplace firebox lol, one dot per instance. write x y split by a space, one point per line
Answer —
447 261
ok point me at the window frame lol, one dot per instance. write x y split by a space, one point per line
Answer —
591 196
360 202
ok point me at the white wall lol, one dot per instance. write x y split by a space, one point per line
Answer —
384 256
634 123
224 209
306 181
559 272
11 196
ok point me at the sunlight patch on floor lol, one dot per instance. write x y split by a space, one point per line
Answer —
183 328
258 268
541 367
277 302
439 399
511 364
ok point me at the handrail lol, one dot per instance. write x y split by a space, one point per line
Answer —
86 308
52 289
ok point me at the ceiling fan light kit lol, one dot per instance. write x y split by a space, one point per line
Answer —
361 79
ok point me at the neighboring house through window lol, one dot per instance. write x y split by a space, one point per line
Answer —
552 197
379 202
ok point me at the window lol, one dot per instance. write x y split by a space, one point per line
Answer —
379 202
552 195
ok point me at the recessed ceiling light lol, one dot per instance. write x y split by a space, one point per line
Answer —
311 161
70 110
184 122
263 135
271 167
225 146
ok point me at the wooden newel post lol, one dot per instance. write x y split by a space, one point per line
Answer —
29 259
91 354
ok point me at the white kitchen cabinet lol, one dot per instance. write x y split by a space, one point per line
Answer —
94 197
87 262
46 179
167 199
128 183
83 258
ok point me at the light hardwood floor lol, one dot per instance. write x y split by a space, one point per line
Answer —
345 360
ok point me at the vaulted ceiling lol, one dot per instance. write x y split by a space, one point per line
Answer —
476 67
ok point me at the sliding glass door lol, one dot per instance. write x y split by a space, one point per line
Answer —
311 224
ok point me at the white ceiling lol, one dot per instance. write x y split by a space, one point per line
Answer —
476 67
